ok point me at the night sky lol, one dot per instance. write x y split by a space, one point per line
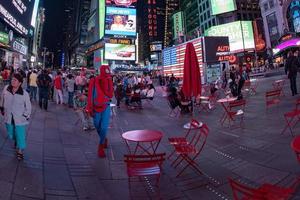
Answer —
52 33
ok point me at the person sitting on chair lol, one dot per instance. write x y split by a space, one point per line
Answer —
136 96
148 93
173 98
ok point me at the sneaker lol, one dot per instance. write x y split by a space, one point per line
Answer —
92 128
101 153
85 128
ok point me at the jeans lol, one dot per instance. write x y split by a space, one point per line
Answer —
33 91
293 85
70 98
86 120
43 98
18 134
59 96
101 122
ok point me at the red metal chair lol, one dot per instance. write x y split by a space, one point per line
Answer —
272 98
144 166
189 152
194 125
290 118
235 109
264 192
278 85
295 145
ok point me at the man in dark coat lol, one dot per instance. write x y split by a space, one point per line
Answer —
291 68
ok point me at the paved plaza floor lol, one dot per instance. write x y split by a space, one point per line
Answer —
61 162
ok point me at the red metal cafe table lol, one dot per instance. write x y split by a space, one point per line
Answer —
145 141
224 103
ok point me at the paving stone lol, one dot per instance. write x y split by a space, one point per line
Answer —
90 188
75 156
8 168
49 197
29 182
57 177
5 190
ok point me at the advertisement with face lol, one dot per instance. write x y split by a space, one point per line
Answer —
222 6
119 52
121 2
120 21
18 14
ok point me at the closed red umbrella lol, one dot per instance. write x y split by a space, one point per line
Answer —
191 72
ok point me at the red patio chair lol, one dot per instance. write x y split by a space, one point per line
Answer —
247 87
295 144
272 98
278 85
194 125
290 118
264 192
235 109
144 166
189 152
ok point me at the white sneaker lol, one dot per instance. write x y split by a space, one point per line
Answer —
85 128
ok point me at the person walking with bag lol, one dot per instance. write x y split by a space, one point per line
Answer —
291 68
15 105
99 97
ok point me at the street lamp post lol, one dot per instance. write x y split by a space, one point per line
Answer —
44 59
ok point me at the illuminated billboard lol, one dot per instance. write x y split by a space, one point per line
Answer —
240 34
119 52
121 2
17 14
173 58
101 18
222 6
177 24
120 21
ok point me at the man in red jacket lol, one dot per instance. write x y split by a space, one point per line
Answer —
98 105
58 88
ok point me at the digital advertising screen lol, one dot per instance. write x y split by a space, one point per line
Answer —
126 3
222 6
173 58
155 47
240 34
213 72
101 18
18 14
120 21
177 24
119 52
215 48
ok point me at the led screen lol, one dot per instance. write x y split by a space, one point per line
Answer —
101 18
173 58
120 21
240 34
121 2
222 6
177 24
119 52
17 13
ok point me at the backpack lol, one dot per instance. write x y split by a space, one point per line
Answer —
44 81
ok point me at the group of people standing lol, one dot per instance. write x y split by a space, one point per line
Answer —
92 101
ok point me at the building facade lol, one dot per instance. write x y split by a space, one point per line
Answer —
172 6
76 31
273 18
197 17
151 26
37 39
